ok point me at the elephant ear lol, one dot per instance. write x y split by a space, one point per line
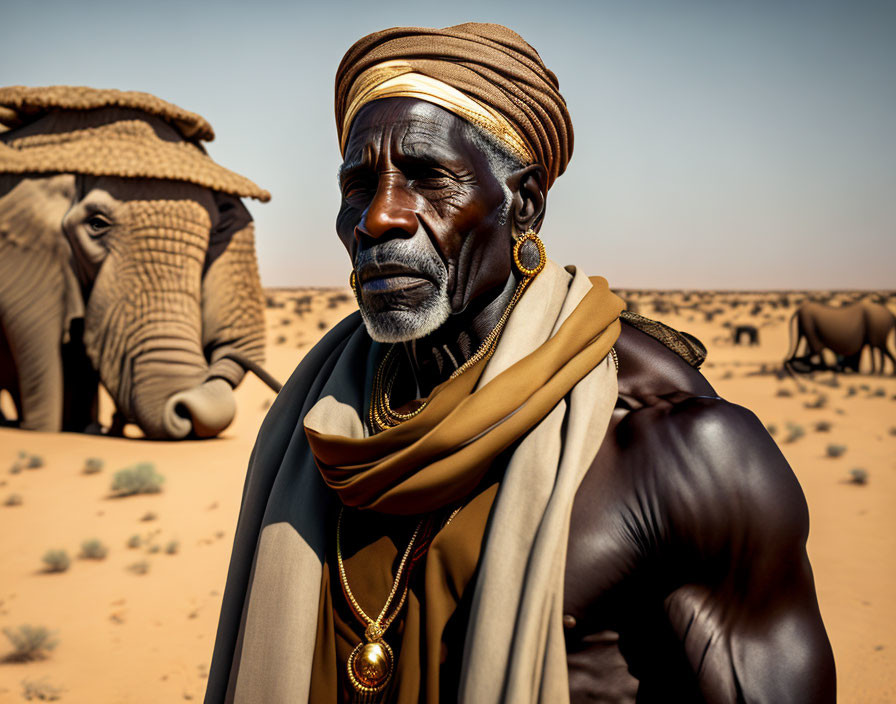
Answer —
232 298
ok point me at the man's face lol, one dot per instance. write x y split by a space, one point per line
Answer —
423 218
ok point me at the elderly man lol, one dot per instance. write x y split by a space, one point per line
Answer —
485 486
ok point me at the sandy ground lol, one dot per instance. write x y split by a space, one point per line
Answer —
132 637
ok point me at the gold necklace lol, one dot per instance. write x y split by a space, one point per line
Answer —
370 664
383 416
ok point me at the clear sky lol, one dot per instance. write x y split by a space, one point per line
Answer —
719 144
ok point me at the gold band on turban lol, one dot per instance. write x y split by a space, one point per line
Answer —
484 73
394 79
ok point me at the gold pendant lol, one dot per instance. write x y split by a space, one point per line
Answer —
370 664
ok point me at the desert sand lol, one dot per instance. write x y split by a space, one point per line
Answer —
139 625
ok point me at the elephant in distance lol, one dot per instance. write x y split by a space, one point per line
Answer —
845 330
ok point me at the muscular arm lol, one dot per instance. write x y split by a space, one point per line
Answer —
687 577
735 517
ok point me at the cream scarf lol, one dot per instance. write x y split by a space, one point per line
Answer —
514 650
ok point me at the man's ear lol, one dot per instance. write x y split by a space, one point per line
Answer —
529 193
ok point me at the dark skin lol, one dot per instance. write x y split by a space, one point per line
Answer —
411 172
687 577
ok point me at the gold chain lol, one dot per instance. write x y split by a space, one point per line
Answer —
356 607
383 416
369 667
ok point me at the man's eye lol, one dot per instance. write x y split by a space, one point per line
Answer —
97 225
431 179
356 191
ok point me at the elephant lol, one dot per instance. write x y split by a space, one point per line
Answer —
845 331
127 258
748 331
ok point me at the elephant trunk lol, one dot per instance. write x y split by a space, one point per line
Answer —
205 409
145 324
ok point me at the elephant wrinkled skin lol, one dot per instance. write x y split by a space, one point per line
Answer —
144 284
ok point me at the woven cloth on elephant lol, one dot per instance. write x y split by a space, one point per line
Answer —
75 129
490 63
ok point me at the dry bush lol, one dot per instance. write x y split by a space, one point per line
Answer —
784 393
41 691
772 429
93 549
142 478
823 426
13 500
56 561
141 567
30 643
172 547
820 402
794 432
834 450
92 465
858 476
134 542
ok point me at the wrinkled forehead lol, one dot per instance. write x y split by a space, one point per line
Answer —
412 124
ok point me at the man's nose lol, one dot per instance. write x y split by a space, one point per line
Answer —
392 209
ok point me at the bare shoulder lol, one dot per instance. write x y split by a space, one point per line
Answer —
704 453
683 476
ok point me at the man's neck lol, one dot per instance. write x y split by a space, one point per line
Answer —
434 358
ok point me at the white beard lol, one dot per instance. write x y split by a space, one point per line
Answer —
402 325
405 325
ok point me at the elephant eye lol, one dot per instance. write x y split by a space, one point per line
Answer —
97 225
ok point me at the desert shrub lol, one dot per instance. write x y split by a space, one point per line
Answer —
141 567
281 339
41 691
823 426
34 462
784 393
56 560
858 476
93 549
850 391
13 500
864 387
134 542
893 430
153 549
772 429
835 450
881 392
820 402
142 478
321 324
30 643
172 547
149 516
794 432
338 298
92 465
16 467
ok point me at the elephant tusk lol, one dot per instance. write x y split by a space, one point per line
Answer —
255 368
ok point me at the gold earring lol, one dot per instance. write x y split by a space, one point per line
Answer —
529 255
353 282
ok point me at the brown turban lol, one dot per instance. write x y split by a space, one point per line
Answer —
488 63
